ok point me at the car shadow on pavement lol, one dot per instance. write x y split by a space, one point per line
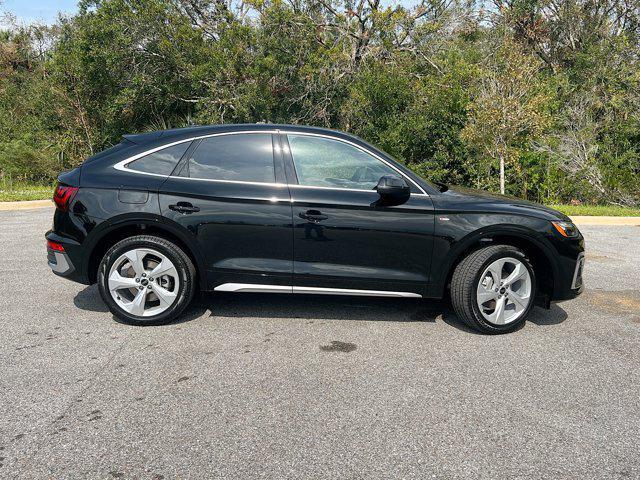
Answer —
89 299
318 307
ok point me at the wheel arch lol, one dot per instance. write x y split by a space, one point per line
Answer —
536 247
126 226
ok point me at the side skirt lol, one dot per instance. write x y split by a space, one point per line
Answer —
257 288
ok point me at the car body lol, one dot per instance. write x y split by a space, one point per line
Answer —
294 209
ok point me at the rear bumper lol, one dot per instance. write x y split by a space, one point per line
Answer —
59 262
65 264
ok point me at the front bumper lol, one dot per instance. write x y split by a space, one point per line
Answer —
574 283
577 284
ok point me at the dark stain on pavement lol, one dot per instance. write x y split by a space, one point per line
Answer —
183 379
24 347
337 346
94 415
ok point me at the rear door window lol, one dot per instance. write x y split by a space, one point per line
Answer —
246 157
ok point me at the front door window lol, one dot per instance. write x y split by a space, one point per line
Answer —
323 162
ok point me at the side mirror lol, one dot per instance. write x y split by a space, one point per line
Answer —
393 190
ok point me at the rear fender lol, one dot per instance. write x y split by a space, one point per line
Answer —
142 223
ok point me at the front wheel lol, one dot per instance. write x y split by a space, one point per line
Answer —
146 280
492 289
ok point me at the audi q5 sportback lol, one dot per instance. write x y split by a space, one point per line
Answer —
291 209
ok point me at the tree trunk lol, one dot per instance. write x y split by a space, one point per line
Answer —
502 174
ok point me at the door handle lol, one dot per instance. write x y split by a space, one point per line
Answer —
312 216
184 207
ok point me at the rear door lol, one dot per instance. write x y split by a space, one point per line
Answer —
344 239
230 193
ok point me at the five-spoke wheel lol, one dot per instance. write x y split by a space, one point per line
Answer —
146 280
504 291
493 288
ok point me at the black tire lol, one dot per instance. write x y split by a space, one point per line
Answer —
182 262
464 284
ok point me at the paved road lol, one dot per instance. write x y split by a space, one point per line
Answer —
254 386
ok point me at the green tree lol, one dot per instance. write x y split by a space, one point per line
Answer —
509 110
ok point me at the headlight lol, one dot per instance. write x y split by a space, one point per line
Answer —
566 229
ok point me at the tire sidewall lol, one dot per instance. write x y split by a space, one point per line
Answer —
513 253
184 290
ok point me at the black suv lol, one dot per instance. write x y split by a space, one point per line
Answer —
291 209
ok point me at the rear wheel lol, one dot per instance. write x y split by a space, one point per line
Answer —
146 280
492 289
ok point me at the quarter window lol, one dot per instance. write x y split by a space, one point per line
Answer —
238 157
323 162
161 162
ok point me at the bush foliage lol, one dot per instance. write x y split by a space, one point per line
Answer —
453 89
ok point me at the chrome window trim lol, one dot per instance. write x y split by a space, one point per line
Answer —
122 165
365 150
297 186
242 182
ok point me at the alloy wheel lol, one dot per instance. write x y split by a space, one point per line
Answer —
143 282
504 291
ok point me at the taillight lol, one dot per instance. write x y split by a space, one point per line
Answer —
55 246
63 195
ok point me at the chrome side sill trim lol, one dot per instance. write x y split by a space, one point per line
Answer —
253 288
257 288
349 291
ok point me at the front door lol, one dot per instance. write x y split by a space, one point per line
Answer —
344 239
230 193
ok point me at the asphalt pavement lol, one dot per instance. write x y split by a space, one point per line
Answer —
276 386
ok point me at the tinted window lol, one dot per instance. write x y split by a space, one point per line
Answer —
161 162
322 162
240 157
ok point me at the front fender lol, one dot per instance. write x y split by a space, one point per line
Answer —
455 237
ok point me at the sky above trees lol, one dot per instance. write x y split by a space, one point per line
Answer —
45 11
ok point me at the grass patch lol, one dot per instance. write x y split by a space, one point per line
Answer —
20 192
598 210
